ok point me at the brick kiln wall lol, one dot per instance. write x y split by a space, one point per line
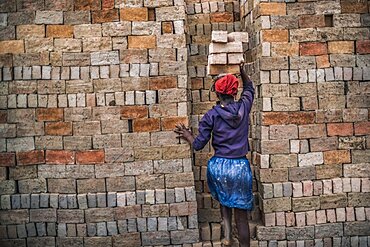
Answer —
91 90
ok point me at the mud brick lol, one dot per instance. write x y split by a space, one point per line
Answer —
300 233
358 199
356 228
127 212
333 201
186 236
269 233
337 156
305 203
19 216
70 216
273 175
43 215
30 157
329 230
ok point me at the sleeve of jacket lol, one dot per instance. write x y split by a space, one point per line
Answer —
205 132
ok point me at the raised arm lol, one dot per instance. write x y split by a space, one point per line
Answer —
248 89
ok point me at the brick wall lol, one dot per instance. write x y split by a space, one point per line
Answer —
90 93
311 120
91 90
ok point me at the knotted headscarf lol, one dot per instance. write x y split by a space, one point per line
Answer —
227 84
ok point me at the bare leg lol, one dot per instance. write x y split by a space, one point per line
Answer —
226 217
241 219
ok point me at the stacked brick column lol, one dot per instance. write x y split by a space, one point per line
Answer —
311 121
90 92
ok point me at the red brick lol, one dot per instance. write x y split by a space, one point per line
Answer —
278 118
337 157
222 17
146 124
275 35
322 61
58 128
140 42
59 157
312 48
132 112
306 21
301 117
134 14
162 82
49 114
354 6
196 83
7 159
3 116
31 157
90 157
101 16
87 4
59 31
363 46
362 128
340 129
107 4
171 122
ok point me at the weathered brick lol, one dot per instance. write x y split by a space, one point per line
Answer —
142 42
275 35
337 157
271 233
30 157
312 48
340 47
90 157
7 159
12 46
305 203
58 128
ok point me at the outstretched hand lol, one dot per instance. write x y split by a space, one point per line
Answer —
184 133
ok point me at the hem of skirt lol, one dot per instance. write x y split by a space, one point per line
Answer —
249 207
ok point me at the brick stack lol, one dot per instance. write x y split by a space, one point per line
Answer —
90 93
311 121
226 52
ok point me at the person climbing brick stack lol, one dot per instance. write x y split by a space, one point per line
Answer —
226 52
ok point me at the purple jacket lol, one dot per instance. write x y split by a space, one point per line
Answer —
228 126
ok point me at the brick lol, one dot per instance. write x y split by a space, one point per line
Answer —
360 228
222 69
220 58
12 46
362 46
308 21
358 199
221 17
28 31
272 9
134 14
58 128
90 157
146 124
340 129
49 17
333 201
87 5
337 157
59 31
325 171
284 49
7 159
305 203
142 42
43 215
271 233
30 157
219 36
102 16
322 61
312 48
362 128
127 239
340 47
275 35
49 114
59 157
230 47
311 131
162 82
76 17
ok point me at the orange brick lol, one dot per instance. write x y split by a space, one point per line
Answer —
58 128
279 118
167 27
12 46
31 157
107 4
306 21
134 14
162 82
223 69
146 124
312 49
90 157
284 49
341 47
132 112
340 129
221 17
362 128
49 114
301 117
354 6
337 157
171 122
7 159
101 16
59 157
275 35
87 4
146 41
272 8
197 83
363 46
59 31
322 61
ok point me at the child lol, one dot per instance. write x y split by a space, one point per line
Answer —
229 175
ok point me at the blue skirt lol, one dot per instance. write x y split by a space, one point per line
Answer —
230 182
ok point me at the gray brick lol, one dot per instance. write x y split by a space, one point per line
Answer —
12 231
71 230
16 201
62 229
41 229
182 223
193 221
51 229
63 201
112 199
179 194
21 230
187 236
172 223
102 200
160 196
31 230
170 195
162 224
35 201
5 202
190 194
72 201
112 228
131 225
44 200
152 224
101 229
91 199
54 200
141 224
91 229
122 226
25 201
82 201
140 197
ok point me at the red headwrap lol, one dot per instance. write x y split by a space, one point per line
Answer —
227 85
